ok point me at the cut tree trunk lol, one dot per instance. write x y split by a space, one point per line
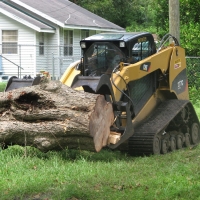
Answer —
52 116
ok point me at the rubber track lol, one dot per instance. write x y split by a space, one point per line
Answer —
141 143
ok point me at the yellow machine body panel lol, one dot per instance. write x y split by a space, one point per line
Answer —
177 70
158 61
69 74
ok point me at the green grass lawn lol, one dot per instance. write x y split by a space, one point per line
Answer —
2 86
106 175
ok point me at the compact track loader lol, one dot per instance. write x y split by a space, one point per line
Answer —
147 86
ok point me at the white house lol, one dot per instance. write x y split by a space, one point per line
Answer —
44 35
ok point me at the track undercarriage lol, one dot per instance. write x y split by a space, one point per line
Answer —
172 126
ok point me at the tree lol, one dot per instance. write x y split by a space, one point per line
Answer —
189 23
121 12
52 116
140 15
190 26
161 16
174 18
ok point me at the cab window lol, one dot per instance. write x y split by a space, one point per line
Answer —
142 48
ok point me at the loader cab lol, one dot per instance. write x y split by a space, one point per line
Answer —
103 52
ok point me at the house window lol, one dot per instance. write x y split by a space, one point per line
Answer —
41 43
68 42
84 34
9 41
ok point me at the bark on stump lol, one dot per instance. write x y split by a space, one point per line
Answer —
52 116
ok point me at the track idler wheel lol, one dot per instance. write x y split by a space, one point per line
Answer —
164 146
172 143
156 145
194 132
187 140
179 141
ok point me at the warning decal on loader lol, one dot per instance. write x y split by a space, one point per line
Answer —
177 64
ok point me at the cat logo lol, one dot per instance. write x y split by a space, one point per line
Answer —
180 84
145 67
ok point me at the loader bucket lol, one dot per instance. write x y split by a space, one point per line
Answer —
14 82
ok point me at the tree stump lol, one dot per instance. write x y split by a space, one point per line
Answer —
53 116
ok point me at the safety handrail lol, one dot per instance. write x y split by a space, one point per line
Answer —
19 67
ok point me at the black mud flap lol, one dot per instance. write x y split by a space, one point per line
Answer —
15 83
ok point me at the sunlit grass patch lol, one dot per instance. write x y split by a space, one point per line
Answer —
2 86
27 173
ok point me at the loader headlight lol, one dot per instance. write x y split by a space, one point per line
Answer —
122 44
83 45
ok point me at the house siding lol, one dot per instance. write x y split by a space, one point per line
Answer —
26 38
65 61
54 52
76 43
51 50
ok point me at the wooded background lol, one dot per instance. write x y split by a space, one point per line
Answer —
152 16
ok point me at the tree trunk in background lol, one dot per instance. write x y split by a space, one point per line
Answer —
174 19
52 116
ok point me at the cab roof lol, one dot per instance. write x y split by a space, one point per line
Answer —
116 36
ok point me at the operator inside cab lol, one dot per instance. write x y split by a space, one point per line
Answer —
102 58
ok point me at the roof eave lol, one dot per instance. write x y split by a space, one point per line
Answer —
26 23
46 30
93 28
38 12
